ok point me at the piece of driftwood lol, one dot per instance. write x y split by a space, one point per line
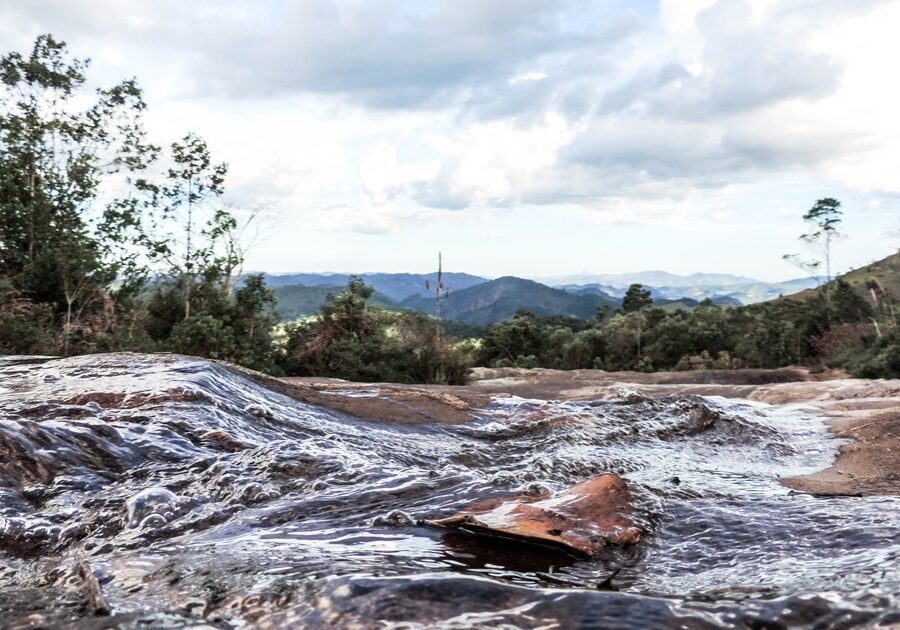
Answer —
582 519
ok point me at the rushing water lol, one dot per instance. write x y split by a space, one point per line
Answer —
186 492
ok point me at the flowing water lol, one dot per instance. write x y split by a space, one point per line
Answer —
157 491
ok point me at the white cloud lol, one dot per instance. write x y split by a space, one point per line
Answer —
384 176
379 117
493 163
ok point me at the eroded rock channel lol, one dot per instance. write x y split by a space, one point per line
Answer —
164 491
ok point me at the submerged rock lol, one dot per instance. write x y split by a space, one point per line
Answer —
394 518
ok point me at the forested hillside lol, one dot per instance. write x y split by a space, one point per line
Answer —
394 286
696 286
481 304
873 281
295 301
850 322
500 299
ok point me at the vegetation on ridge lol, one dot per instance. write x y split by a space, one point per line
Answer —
84 271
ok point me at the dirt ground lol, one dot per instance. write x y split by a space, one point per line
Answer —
864 411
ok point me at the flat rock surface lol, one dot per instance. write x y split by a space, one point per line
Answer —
865 411
582 519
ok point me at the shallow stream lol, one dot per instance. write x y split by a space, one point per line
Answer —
161 491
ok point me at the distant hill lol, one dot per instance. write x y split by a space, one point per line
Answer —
748 292
296 301
743 293
497 300
885 271
651 278
596 289
397 287
394 286
477 301
482 304
689 304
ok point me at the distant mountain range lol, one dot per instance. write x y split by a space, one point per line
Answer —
651 278
394 286
742 293
497 300
479 302
479 305
662 284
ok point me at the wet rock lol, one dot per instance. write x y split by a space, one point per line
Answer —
220 440
536 490
93 593
503 478
394 518
582 519
11 503
631 397
97 400
270 521
260 411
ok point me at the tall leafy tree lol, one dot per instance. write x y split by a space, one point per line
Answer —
74 260
192 184
194 239
54 157
637 298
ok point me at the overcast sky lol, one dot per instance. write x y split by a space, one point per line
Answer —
522 137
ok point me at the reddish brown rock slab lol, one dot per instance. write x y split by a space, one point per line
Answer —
869 465
582 519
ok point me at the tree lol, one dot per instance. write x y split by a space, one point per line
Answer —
601 314
516 342
197 240
825 216
253 319
344 340
824 219
54 156
189 233
353 340
192 182
74 268
636 299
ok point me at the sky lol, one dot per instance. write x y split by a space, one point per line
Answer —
519 137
